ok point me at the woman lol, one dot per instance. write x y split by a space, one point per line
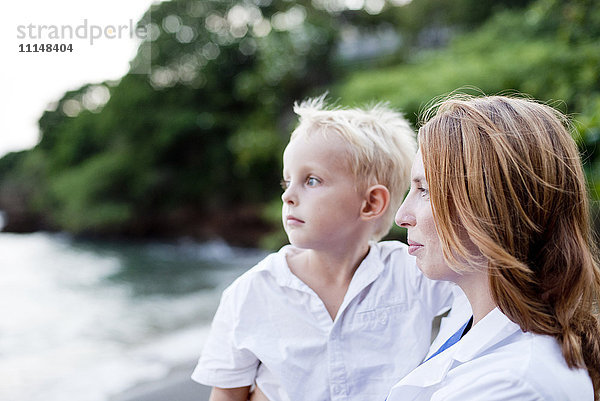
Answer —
498 205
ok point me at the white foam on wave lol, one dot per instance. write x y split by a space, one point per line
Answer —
68 331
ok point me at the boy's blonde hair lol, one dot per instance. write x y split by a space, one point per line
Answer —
381 146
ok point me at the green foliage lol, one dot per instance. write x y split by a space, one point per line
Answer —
22 177
93 194
539 55
196 129
276 238
198 132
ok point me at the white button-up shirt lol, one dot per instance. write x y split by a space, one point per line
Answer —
272 329
459 315
496 361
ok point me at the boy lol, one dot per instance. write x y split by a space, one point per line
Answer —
334 315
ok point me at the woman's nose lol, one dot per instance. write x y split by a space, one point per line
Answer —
404 218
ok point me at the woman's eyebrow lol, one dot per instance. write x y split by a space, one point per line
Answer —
418 180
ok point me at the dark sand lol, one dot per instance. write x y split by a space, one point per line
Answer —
176 387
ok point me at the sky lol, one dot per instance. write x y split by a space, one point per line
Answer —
31 82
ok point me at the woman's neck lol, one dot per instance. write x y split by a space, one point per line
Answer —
476 287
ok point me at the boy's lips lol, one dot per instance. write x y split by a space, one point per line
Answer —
413 246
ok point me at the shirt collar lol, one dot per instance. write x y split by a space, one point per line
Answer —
490 330
367 272
282 273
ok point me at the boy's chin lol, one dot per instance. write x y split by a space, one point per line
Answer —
301 243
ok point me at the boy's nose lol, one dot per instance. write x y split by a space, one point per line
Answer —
288 197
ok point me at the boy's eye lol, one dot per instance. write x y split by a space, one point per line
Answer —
284 184
312 181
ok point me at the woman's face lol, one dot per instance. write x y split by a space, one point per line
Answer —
416 215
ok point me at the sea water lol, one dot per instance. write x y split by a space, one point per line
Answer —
86 320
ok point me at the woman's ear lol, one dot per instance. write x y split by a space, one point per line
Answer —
376 202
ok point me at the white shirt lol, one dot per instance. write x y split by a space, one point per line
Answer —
459 314
496 361
272 329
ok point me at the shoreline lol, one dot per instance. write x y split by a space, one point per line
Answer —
176 386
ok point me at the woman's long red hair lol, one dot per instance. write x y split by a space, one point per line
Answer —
508 172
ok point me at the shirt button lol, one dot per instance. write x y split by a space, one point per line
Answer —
337 389
383 317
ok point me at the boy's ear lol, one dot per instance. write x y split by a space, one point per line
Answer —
376 202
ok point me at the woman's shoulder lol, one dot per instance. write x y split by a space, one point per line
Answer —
497 354
522 366
548 370
536 362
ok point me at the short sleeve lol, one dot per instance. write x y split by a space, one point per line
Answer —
223 363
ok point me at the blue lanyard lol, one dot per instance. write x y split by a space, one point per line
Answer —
453 339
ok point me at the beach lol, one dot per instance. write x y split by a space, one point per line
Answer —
177 386
114 321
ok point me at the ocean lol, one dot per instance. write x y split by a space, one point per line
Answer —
91 319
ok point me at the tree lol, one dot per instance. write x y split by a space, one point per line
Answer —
189 141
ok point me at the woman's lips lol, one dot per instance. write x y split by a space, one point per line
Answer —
291 220
413 247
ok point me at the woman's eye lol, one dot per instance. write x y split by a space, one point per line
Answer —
312 181
284 184
423 192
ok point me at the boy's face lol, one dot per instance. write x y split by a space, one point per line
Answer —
321 206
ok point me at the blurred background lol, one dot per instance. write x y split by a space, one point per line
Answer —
146 193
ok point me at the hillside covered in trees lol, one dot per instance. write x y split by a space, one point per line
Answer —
193 146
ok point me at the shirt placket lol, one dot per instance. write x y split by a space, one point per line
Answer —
338 383
335 359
